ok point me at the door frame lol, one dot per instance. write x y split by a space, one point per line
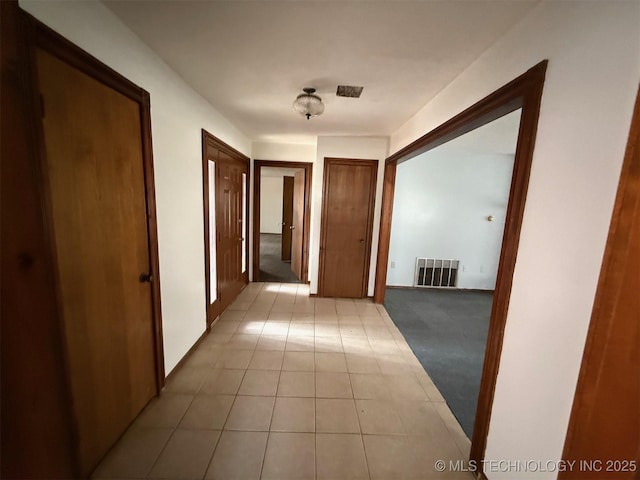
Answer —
30 313
308 172
214 310
41 36
328 161
523 92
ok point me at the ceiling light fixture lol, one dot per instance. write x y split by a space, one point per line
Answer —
308 103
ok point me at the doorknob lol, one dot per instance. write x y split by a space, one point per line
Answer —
362 240
145 277
292 227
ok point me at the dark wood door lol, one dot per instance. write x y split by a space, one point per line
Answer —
605 420
95 180
287 218
297 224
231 178
225 177
347 223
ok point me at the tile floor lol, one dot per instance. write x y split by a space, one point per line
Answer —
291 387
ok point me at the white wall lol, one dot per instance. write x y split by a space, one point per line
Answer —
271 192
271 204
365 148
284 152
591 83
443 198
177 116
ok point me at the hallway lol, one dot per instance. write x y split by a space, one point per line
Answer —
272 268
287 386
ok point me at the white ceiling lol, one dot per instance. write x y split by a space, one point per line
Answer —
250 59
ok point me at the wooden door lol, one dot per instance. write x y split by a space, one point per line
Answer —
225 177
297 224
96 186
287 218
231 179
605 420
347 224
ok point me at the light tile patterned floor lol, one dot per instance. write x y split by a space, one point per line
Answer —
291 387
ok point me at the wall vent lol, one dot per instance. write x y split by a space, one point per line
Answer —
434 272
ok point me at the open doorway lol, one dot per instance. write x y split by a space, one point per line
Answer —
524 92
281 221
444 254
281 199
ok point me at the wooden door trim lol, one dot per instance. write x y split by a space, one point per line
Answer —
523 92
70 53
328 162
30 305
213 141
209 140
42 37
610 283
308 172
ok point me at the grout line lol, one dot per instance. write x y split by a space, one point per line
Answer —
366 458
215 447
173 431
264 455
315 445
266 446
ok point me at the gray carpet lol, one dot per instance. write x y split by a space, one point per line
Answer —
272 269
447 331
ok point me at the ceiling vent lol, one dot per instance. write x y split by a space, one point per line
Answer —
349 91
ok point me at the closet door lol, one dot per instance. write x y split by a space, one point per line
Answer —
95 182
226 173
347 226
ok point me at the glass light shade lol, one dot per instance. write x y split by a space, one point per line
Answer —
308 104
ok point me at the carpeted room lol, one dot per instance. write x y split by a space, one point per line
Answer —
449 211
